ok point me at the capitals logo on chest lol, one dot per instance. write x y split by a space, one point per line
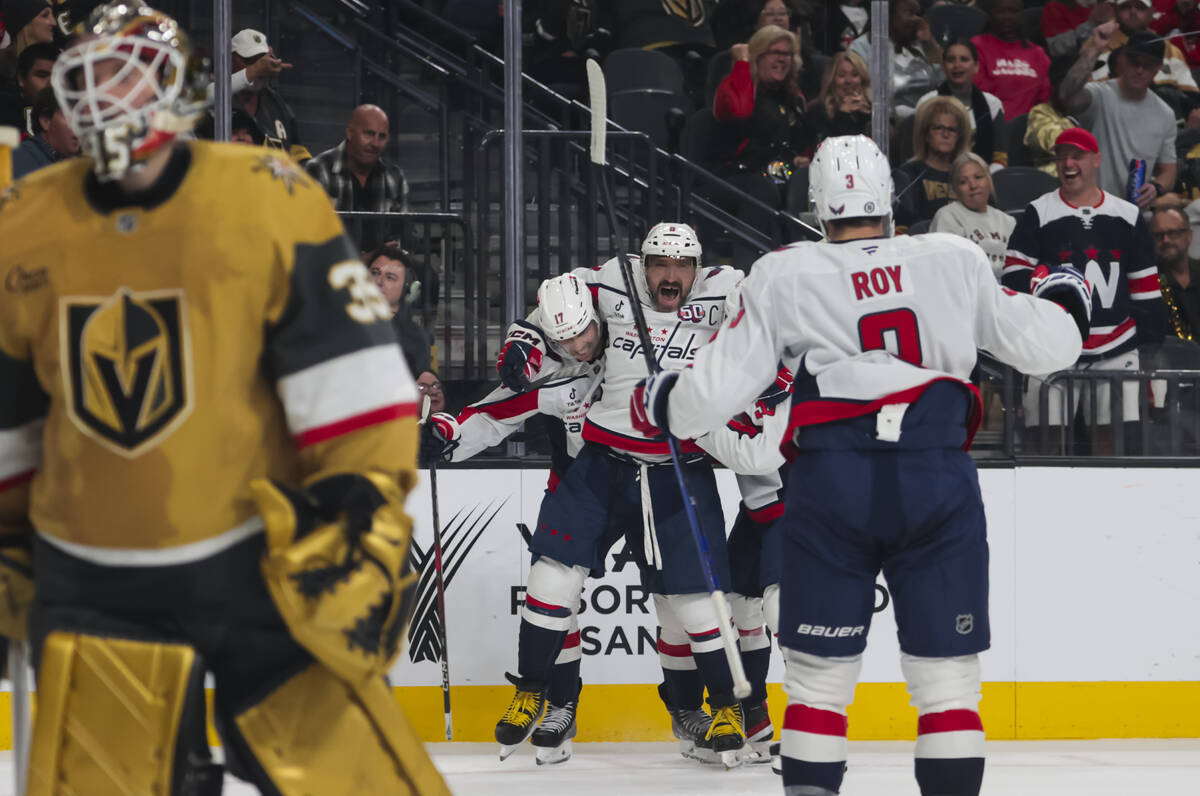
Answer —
126 367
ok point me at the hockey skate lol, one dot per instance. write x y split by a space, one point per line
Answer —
552 738
691 728
521 718
759 732
776 759
726 734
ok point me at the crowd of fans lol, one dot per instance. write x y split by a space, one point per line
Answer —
779 76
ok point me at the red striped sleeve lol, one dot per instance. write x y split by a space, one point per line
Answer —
358 422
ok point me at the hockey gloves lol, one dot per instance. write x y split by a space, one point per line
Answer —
520 359
439 437
1067 288
776 393
648 405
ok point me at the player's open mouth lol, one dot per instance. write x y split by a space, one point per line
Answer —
668 293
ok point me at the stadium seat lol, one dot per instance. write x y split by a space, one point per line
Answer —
707 142
904 138
631 68
950 22
1017 186
920 226
1014 131
648 110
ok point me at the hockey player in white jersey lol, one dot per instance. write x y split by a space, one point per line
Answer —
881 334
622 483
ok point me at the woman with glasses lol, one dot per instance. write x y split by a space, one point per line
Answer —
960 61
761 97
940 135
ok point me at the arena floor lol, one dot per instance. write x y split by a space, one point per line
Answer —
1023 768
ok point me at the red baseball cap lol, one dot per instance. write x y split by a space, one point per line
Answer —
1077 137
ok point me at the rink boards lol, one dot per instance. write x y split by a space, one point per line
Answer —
1094 597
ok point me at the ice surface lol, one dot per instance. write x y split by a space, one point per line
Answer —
1020 768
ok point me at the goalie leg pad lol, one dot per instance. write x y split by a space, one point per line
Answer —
118 716
317 734
16 586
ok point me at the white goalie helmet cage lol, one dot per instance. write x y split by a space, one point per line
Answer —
129 85
849 178
565 304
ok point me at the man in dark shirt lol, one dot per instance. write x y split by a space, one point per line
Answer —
256 98
1177 273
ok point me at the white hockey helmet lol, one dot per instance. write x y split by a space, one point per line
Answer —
849 178
566 308
671 239
129 86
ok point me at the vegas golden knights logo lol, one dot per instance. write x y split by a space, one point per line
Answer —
127 367
691 11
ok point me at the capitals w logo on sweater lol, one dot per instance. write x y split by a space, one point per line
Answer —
1110 244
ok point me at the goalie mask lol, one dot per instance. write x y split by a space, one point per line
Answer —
129 86
850 178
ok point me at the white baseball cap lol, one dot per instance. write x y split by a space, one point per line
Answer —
249 42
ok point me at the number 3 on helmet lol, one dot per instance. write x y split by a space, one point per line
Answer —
849 178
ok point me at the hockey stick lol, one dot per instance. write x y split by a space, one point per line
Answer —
440 585
598 97
22 732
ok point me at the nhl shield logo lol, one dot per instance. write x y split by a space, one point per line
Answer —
964 623
126 367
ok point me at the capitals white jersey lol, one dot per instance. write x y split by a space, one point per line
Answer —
867 323
676 337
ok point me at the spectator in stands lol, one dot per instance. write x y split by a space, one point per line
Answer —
1178 274
1010 66
735 21
357 176
960 60
923 183
675 27
761 95
845 22
916 56
559 38
970 216
1046 122
1107 239
33 75
1066 24
1128 119
844 105
275 119
1179 19
52 141
242 129
429 384
26 22
388 266
1173 82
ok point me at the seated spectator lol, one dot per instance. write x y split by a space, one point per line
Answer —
429 384
357 176
735 21
559 38
275 119
761 96
923 183
1173 81
33 75
1066 24
674 27
1128 119
916 56
844 105
27 22
242 129
388 266
845 22
1178 274
960 60
1179 20
52 141
970 216
1010 66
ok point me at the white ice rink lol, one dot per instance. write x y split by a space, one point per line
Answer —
1021 768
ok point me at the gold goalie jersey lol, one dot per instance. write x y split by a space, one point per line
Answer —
155 359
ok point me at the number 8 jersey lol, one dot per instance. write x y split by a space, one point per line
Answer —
866 323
